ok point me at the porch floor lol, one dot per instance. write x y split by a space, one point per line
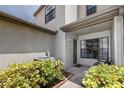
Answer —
75 81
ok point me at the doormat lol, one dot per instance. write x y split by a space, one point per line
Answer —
78 65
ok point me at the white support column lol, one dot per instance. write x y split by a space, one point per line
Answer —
118 40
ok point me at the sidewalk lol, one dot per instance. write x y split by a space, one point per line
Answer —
76 80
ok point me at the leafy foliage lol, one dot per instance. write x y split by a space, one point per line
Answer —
104 76
33 74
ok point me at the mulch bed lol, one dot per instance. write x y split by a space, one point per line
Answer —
67 77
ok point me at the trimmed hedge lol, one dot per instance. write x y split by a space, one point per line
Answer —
104 76
33 74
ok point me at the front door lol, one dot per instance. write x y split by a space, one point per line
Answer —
74 51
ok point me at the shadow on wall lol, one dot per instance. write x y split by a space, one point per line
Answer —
19 43
19 39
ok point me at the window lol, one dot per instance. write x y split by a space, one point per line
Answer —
104 48
90 9
49 13
95 48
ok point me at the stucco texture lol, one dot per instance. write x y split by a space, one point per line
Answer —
17 41
82 10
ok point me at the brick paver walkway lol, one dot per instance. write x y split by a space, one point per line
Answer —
75 81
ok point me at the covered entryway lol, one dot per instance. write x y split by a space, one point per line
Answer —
97 37
93 43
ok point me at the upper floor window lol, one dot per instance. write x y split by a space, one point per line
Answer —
90 9
49 13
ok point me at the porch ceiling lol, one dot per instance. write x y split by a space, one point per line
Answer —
92 29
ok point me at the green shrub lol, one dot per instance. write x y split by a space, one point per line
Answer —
32 74
104 76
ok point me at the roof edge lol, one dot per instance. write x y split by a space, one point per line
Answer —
39 9
10 18
66 28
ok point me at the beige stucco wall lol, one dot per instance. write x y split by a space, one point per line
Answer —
16 39
82 10
69 49
59 40
64 15
7 59
57 22
70 13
